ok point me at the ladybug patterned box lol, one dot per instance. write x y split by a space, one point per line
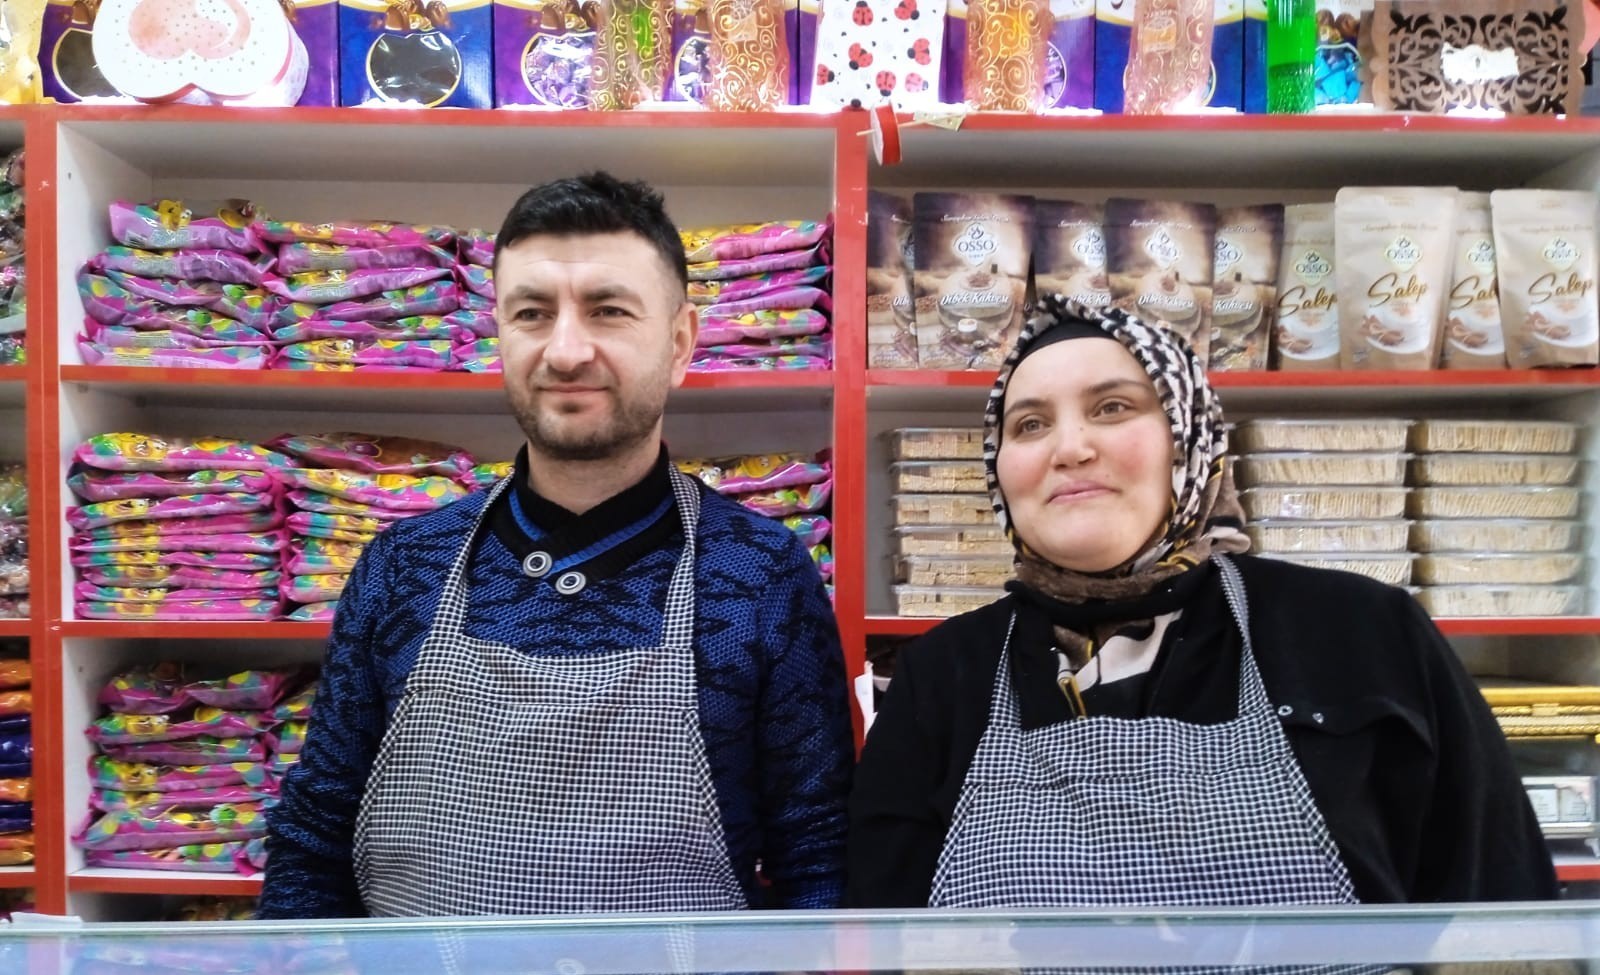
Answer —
874 51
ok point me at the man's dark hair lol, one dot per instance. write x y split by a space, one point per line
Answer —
596 203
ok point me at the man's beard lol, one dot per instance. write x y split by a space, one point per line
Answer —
632 421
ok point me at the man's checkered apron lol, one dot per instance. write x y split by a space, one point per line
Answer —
512 783
1151 812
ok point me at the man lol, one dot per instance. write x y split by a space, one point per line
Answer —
599 687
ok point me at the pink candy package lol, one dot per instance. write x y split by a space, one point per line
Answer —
328 532
250 522
328 504
299 258
824 561
146 689
476 248
132 729
220 561
472 302
768 363
248 690
118 298
779 300
759 265
205 264
397 492
310 522
326 287
147 452
111 800
183 577
352 233
315 612
233 357
718 329
96 486
788 501
160 509
345 355
169 225
322 548
364 453
482 356
478 280
315 589
814 346
749 240
197 321
415 327
135 829
90 592
300 563
242 542
191 858
288 738
488 475
469 323
758 472
744 289
196 751
105 773
812 529
297 707
433 298
200 610
225 333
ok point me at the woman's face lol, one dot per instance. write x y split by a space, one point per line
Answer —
1085 460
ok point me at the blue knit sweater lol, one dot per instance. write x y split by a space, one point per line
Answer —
772 698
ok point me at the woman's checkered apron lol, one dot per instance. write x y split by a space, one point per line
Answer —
511 783
1150 812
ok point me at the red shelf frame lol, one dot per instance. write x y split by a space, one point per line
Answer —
851 383
13 374
12 629
13 878
222 630
160 883
1578 871
1330 379
441 381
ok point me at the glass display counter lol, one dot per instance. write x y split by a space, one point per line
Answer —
1537 939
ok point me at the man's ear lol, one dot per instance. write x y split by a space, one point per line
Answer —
685 332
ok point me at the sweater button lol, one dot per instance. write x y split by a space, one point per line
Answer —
537 565
1285 711
570 583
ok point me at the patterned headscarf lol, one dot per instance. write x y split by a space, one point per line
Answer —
1205 515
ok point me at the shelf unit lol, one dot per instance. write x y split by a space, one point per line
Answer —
465 167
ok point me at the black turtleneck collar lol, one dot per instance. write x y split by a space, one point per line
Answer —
619 529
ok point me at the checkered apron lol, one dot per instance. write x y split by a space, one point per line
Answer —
511 783
1151 812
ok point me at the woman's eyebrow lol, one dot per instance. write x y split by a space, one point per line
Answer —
1107 385
1031 403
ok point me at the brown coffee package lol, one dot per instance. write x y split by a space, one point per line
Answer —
971 275
891 322
1159 258
1545 244
1244 295
1306 336
1472 335
1393 248
1069 251
1517 57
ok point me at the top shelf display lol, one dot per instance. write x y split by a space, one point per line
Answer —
1247 152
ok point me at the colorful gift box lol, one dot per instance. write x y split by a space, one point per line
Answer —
398 53
271 65
1069 66
1227 55
543 53
871 51
1255 56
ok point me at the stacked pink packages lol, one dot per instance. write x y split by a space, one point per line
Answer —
184 770
176 528
763 295
178 289
345 488
794 488
478 342
363 297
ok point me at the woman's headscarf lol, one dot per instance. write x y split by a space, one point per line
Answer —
1205 515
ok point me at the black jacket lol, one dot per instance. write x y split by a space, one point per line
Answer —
1403 757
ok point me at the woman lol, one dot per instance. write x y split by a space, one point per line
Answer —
1152 718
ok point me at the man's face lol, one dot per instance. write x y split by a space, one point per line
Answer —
594 332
